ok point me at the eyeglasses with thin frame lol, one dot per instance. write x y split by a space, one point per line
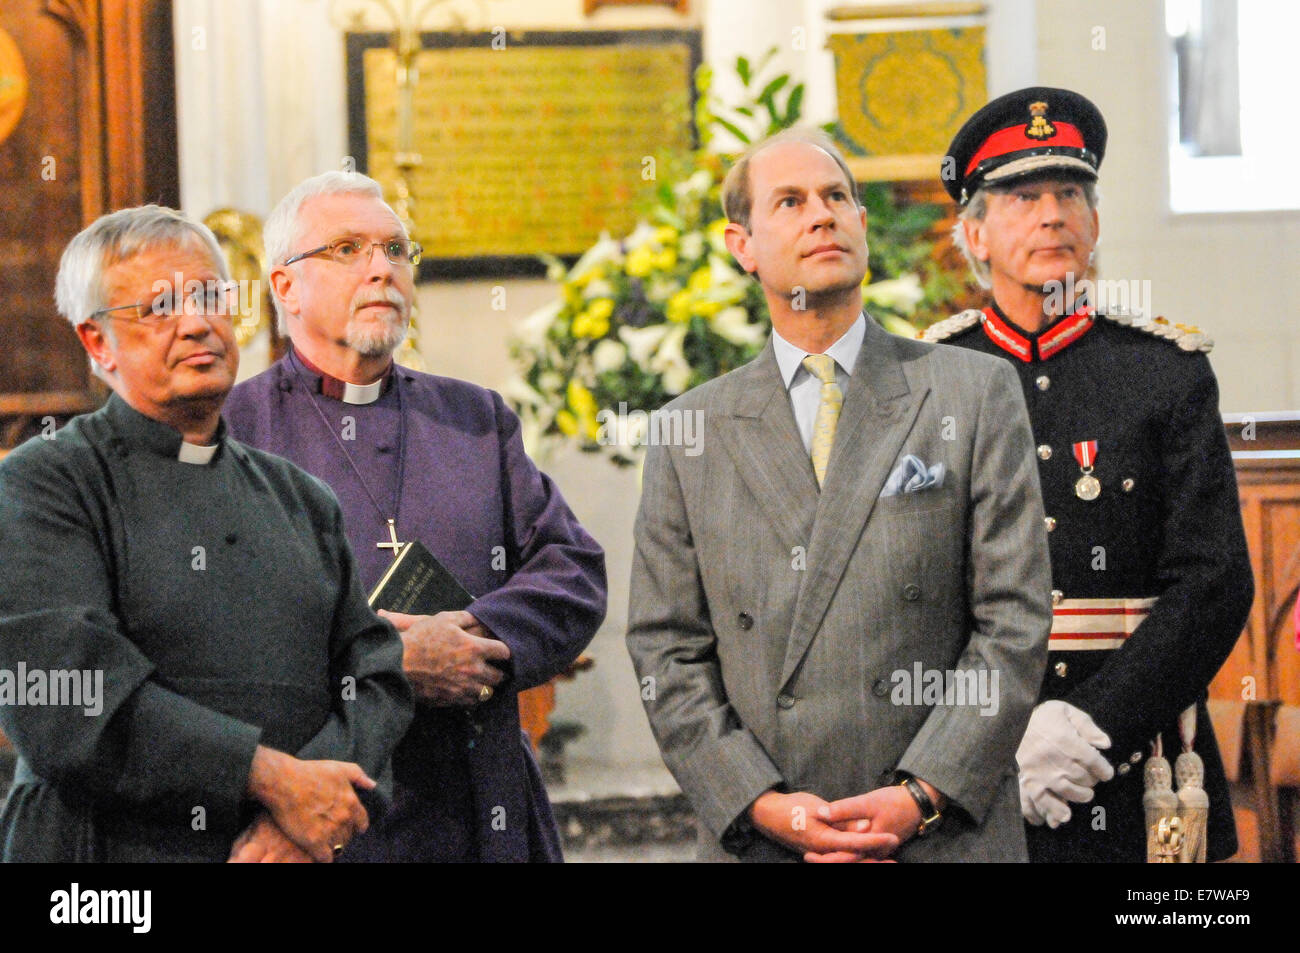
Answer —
352 251
212 299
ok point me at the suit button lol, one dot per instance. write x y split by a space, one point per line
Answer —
1123 769
881 688
1057 596
1049 522
1043 382
1135 757
1127 484
745 621
1044 452
785 701
886 779
911 592
1060 668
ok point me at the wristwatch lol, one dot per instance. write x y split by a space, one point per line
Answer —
930 816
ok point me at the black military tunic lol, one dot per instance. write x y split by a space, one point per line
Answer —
1166 524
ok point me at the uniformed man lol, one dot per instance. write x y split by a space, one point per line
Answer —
1151 576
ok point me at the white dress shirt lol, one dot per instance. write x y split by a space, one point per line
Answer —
804 389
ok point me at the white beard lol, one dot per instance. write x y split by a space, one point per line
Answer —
376 343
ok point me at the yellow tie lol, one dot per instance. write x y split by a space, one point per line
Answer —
822 367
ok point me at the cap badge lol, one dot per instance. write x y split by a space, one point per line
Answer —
1039 127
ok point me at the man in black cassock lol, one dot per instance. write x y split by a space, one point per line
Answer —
441 461
211 682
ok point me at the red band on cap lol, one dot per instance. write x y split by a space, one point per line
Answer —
1013 139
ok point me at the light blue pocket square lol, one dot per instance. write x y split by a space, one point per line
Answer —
912 475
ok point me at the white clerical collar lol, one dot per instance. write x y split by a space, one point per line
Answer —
789 359
362 393
196 453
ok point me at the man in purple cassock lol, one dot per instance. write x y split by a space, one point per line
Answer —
413 456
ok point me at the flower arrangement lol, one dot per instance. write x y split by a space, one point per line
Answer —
644 318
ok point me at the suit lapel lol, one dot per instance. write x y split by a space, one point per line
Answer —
878 413
761 436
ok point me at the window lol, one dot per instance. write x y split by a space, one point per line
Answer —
1232 131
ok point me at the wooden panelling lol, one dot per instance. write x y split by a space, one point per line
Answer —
98 133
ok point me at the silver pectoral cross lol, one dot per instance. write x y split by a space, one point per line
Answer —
394 545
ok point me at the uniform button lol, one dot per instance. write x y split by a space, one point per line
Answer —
785 701
1043 382
1135 757
1128 484
232 538
885 779
1060 668
745 621
911 592
1057 596
881 688
1049 522
1044 452
1123 769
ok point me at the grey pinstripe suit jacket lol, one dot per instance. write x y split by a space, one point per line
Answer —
773 618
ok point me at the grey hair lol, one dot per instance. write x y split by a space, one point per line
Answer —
978 207
116 237
281 228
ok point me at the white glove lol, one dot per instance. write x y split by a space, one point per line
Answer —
1059 761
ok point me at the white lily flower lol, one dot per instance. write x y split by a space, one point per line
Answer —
660 288
605 250
670 360
608 355
643 342
691 246
733 325
902 294
643 234
598 288
518 391
531 331
725 282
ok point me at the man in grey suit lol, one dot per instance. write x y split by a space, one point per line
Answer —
840 598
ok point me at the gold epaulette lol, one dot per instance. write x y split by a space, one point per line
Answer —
950 327
1187 337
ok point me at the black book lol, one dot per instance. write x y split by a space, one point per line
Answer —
417 584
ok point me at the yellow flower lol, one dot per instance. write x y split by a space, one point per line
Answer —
701 280
705 308
639 262
582 280
679 307
588 325
601 308
665 235
567 423
580 399
664 260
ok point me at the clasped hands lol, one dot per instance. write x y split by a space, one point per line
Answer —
866 828
310 809
1060 761
449 657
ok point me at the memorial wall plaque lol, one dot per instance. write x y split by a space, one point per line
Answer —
528 143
